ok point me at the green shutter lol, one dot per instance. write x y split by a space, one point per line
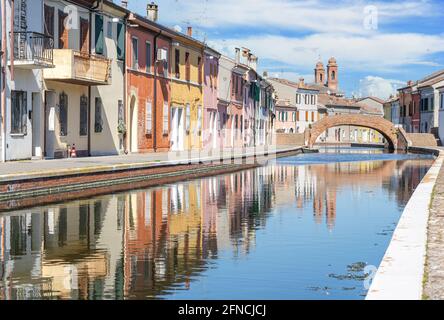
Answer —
257 93
99 33
120 42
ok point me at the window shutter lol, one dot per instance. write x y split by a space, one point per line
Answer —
63 114
149 117
25 113
120 41
199 118
188 118
165 117
148 57
83 115
98 123
99 33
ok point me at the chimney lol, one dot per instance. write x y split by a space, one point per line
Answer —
301 82
237 50
152 11
125 3
265 74
190 31
253 62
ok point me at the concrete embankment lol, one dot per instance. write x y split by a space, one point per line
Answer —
76 179
401 273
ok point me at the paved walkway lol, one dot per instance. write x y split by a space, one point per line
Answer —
434 271
12 170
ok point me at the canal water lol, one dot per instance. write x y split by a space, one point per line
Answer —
312 226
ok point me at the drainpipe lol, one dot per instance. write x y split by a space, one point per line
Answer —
3 80
155 91
125 83
127 112
11 45
93 8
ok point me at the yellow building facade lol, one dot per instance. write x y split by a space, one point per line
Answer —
186 94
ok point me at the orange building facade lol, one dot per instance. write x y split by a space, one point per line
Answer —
148 86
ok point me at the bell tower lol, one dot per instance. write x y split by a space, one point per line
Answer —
320 73
332 70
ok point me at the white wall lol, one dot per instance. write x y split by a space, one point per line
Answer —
107 142
20 146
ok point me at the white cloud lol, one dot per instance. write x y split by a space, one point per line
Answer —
378 87
309 15
380 52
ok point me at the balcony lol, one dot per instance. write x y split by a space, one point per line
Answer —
32 50
80 68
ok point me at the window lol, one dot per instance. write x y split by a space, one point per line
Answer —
294 116
199 119
135 54
297 115
177 63
306 115
312 117
109 30
165 63
307 99
312 99
199 71
120 41
149 117
18 112
63 32
187 118
333 75
99 43
120 111
63 114
98 122
187 66
165 117
148 57
298 98
236 84
83 115
84 35
215 72
49 21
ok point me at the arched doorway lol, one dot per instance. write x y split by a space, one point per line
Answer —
132 128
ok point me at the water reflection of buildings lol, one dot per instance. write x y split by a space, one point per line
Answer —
149 243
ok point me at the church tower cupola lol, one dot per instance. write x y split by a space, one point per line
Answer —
332 70
320 73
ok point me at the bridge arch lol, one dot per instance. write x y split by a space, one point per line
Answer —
383 126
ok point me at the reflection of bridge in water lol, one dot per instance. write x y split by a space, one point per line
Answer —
148 243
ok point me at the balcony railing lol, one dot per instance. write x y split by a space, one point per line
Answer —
79 68
33 50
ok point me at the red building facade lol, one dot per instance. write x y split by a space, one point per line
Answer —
148 86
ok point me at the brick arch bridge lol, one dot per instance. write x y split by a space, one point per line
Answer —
395 137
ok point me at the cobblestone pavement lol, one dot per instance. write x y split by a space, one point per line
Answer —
434 271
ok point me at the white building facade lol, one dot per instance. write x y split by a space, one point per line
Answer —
31 53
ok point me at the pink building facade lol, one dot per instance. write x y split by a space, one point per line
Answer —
212 134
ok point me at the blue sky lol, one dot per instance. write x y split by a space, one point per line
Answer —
379 45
